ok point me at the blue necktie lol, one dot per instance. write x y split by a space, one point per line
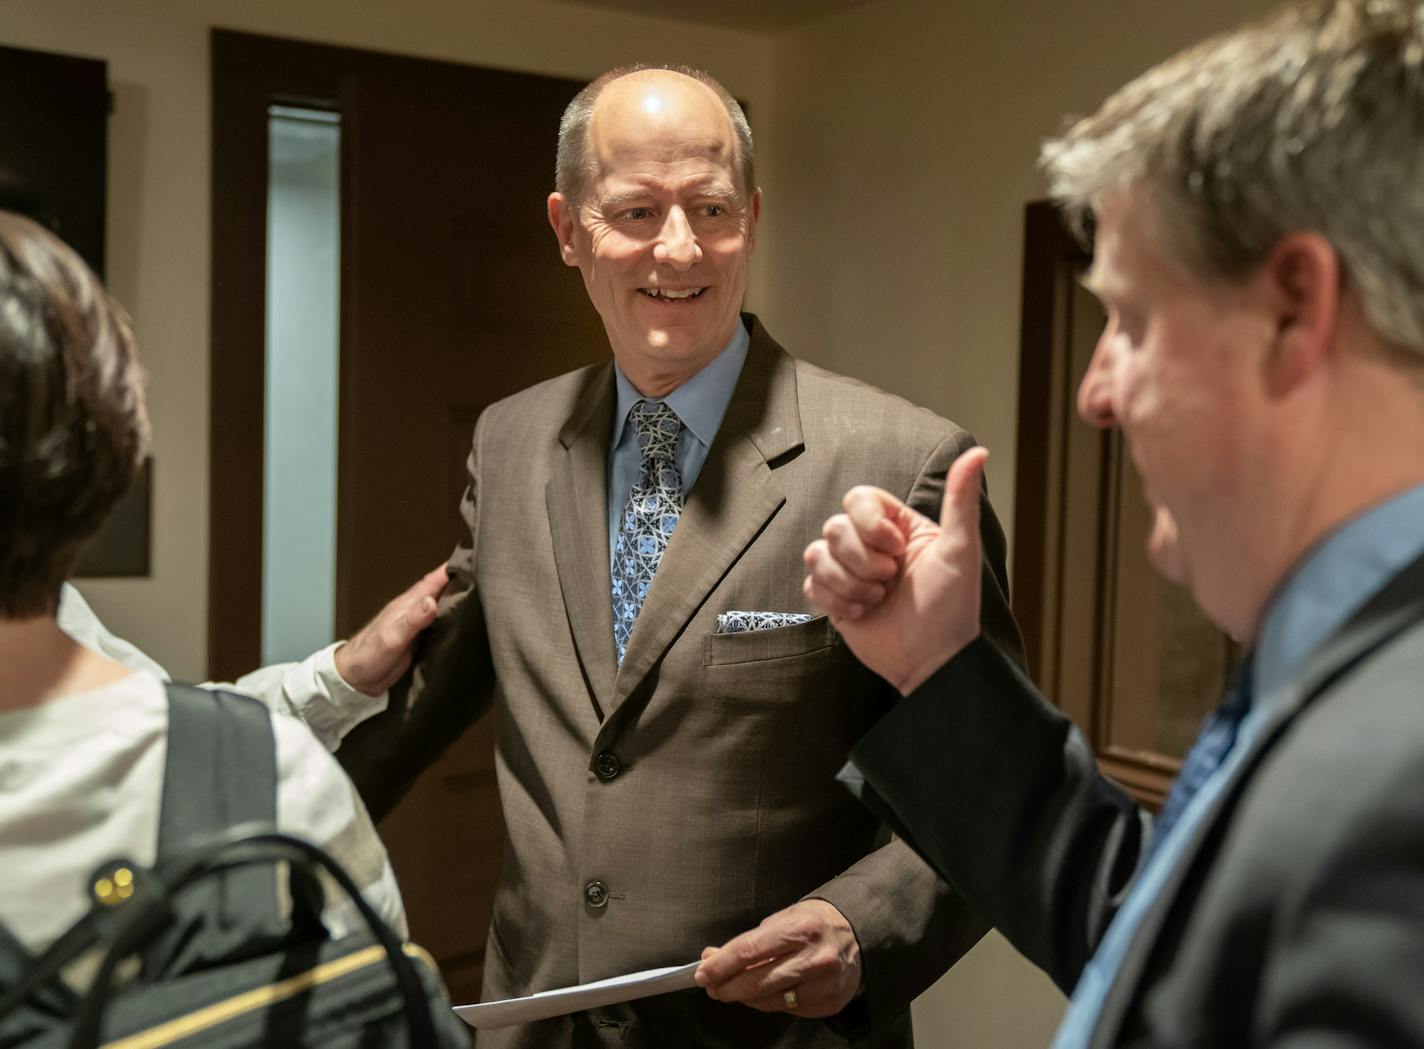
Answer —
1213 745
651 514
1214 742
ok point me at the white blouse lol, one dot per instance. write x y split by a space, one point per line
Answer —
81 779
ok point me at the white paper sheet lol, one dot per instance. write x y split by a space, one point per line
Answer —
563 1000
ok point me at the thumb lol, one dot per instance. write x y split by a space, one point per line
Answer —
960 512
420 612
420 615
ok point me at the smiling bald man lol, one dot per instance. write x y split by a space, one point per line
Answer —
671 714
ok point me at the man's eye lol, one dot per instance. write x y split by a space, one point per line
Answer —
713 211
638 214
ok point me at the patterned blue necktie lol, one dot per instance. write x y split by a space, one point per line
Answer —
1217 736
654 505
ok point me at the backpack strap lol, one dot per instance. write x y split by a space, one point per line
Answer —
15 958
221 771
30 1001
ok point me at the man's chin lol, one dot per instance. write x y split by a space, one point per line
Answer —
674 343
1164 548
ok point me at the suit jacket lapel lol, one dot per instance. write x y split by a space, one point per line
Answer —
577 499
1396 607
733 498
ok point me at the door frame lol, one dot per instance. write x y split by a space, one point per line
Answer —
249 73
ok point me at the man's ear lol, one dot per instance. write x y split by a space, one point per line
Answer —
754 214
1302 281
562 216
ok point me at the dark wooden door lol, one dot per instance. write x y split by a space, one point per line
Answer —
453 295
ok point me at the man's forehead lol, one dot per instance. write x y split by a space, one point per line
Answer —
1115 225
655 92
1099 278
658 110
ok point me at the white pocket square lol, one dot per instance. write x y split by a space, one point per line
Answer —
738 622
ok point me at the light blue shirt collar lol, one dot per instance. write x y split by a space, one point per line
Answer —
700 402
1332 582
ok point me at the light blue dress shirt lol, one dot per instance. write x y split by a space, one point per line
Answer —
1327 587
700 403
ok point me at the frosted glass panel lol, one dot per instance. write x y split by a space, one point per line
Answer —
303 287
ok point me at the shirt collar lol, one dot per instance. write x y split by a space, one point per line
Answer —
1333 581
701 401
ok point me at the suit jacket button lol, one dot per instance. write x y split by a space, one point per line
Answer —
607 766
595 894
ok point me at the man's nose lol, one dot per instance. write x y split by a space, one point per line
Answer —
1095 391
677 245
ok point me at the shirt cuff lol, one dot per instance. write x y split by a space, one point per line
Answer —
322 698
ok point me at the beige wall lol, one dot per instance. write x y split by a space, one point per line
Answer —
158 222
897 147
905 137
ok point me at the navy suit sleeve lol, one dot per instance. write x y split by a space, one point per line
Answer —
910 927
1000 793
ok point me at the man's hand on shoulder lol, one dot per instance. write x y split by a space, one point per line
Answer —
803 960
380 652
902 590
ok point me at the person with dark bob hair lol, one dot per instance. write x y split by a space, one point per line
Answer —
84 738
73 428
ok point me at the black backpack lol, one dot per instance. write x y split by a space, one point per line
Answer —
220 964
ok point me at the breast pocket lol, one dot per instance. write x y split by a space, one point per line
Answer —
759 646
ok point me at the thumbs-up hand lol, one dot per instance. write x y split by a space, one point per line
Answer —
903 590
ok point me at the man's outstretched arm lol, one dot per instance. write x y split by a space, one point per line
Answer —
984 777
332 690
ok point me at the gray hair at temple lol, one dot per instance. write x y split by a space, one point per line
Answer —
573 168
73 429
1312 120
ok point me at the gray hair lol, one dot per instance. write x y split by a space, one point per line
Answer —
1312 120
573 168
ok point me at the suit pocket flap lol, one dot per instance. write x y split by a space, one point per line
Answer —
752 646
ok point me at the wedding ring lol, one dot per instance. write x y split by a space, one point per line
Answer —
789 999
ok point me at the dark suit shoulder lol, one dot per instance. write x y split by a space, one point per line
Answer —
1311 889
1356 738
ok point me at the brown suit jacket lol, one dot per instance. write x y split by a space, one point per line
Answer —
697 781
